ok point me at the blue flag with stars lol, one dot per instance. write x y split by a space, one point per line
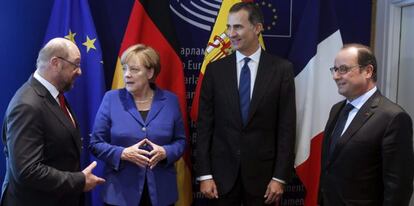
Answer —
71 19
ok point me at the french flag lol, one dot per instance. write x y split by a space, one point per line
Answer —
313 51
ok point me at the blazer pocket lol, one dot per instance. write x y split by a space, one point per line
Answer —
363 202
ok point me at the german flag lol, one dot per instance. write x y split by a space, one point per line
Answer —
150 23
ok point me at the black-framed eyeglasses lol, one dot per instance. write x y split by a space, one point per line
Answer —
343 69
76 65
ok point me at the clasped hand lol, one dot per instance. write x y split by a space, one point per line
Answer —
141 157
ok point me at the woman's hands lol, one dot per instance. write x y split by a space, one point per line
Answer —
135 154
157 154
150 156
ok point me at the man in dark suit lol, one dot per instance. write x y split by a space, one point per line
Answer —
41 135
246 125
367 153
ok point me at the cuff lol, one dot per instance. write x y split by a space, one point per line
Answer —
278 180
204 177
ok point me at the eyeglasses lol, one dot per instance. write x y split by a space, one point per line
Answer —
132 69
76 65
343 69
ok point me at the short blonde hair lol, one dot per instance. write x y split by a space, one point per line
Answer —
150 58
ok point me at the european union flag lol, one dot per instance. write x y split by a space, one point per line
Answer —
72 19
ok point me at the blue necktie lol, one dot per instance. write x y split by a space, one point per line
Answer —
339 127
244 90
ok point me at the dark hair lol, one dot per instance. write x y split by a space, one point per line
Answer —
255 14
365 57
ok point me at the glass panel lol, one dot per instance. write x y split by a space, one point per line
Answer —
405 95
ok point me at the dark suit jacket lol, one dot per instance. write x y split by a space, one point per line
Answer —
42 150
264 147
372 163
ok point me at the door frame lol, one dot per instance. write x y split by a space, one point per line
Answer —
387 44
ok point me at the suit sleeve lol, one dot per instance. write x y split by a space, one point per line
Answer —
175 149
101 136
205 124
286 126
25 144
398 161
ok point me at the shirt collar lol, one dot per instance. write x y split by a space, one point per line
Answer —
255 56
52 89
358 102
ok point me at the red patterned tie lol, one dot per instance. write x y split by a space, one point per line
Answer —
62 103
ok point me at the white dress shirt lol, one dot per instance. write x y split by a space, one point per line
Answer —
253 66
51 88
357 103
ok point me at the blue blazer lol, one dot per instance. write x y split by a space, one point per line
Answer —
118 125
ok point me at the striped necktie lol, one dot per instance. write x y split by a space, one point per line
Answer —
244 90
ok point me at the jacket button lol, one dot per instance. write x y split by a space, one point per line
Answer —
144 129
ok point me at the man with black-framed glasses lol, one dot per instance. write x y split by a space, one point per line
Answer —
42 137
367 152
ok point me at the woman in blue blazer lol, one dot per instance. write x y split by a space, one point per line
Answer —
139 134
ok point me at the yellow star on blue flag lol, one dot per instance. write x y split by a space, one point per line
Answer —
71 36
89 43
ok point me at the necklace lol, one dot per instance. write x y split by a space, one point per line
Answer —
145 100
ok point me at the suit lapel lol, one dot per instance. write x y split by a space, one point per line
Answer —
64 120
76 132
129 105
52 105
73 115
156 106
366 111
330 125
230 85
263 78
332 120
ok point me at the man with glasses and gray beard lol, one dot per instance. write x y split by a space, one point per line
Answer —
42 137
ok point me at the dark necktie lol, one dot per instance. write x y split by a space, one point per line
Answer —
244 90
339 127
62 103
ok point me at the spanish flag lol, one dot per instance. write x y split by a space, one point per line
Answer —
218 46
150 24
